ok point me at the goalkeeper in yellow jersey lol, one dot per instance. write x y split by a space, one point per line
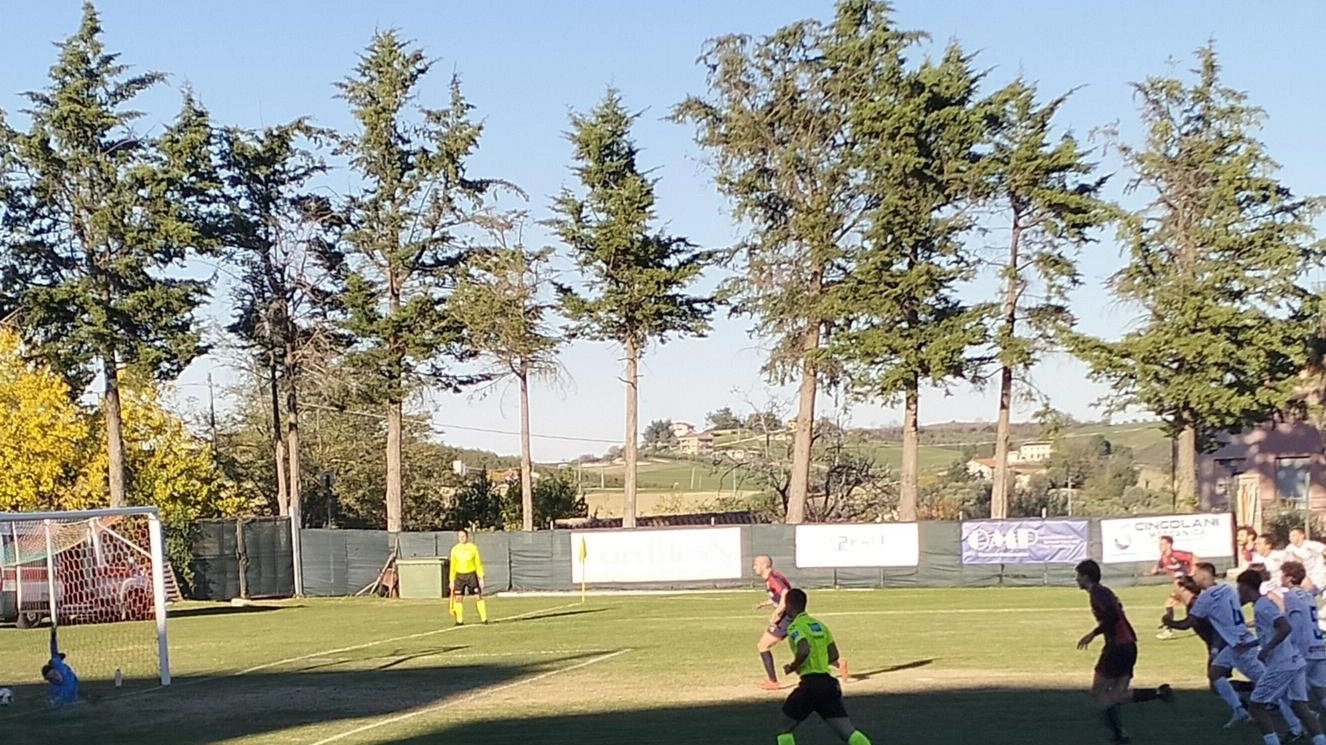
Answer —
818 693
466 577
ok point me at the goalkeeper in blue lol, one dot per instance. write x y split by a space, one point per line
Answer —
60 678
818 692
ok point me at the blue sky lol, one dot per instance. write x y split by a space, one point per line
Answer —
526 64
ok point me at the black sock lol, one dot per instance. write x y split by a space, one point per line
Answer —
767 659
1145 694
1113 720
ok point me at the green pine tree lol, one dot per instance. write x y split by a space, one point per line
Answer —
778 123
280 238
407 229
1043 186
636 277
503 303
1217 264
95 217
919 129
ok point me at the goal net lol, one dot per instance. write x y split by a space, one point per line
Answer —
99 578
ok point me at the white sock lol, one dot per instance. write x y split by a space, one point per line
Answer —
1271 739
1319 740
1225 690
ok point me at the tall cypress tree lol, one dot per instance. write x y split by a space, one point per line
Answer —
95 215
778 123
919 129
1042 184
1217 265
407 229
503 302
636 277
280 238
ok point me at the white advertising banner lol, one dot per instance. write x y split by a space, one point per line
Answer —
1128 539
671 555
867 545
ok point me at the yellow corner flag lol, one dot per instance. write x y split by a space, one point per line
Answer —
584 551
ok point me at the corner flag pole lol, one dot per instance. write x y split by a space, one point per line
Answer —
583 553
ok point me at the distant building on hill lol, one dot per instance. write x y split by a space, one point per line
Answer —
1032 452
696 444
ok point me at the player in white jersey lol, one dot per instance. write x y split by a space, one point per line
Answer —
1234 645
1301 610
1309 554
1267 557
1284 665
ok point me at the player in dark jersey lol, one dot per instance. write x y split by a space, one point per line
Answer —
778 587
1114 669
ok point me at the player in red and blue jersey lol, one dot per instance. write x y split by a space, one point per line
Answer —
1114 669
778 587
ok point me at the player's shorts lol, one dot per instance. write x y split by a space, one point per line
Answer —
1245 662
467 584
1277 684
779 630
818 693
1117 660
1316 672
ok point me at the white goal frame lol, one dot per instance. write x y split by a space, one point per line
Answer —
156 552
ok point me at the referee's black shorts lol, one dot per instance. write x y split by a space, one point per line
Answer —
467 583
818 693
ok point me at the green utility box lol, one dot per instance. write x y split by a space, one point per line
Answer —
422 577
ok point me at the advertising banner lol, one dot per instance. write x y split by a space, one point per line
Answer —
849 546
673 555
1207 535
1024 541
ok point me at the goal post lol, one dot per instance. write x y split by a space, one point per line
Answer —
99 578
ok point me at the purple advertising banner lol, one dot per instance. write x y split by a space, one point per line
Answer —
1024 541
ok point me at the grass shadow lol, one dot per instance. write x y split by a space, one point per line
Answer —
226 610
954 716
867 675
259 704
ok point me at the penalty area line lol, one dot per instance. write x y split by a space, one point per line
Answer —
466 699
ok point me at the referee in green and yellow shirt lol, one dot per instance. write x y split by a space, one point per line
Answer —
466 577
819 693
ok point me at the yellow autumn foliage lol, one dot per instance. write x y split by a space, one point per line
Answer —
53 453
45 439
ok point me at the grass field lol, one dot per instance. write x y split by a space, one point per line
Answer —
941 667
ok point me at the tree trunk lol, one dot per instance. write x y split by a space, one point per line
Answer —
907 498
1185 466
526 460
632 428
803 438
110 406
394 467
999 494
296 494
278 444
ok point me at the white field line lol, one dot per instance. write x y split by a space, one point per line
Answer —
338 650
465 699
833 614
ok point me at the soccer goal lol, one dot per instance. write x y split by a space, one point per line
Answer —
99 578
